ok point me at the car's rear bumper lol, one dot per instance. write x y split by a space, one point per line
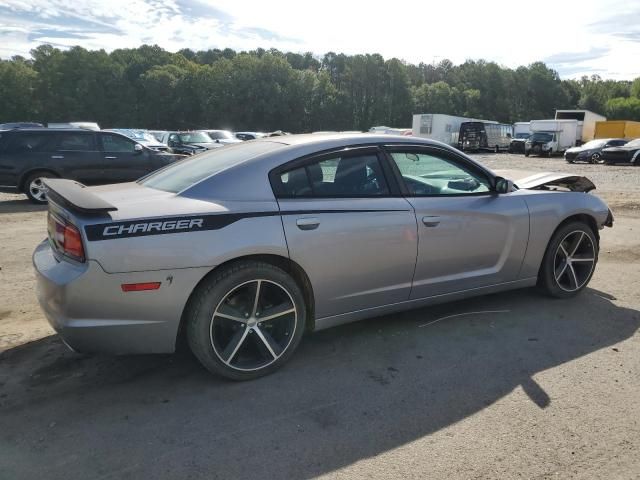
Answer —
89 310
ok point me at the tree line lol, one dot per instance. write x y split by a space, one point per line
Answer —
265 90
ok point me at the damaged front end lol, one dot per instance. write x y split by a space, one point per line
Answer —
549 181
556 181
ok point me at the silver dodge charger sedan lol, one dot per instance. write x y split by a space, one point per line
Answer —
243 249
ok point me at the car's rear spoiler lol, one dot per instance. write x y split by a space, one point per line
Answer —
75 196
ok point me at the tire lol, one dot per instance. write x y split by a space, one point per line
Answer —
570 161
34 189
526 154
595 158
240 345
559 278
497 149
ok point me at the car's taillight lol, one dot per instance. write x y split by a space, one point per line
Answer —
65 237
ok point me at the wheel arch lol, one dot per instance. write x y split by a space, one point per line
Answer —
23 178
286 264
580 217
576 217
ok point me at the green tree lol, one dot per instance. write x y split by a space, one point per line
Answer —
17 99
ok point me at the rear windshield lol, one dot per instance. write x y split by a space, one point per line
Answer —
220 135
195 137
185 173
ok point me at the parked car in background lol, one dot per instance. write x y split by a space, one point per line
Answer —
246 248
142 136
591 152
627 153
158 134
189 143
244 136
9 126
28 156
223 137
517 144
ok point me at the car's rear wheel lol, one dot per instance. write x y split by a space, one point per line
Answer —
35 189
570 260
246 320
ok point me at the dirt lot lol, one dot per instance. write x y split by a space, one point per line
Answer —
544 389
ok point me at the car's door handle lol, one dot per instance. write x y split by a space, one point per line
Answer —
57 156
110 158
431 221
308 223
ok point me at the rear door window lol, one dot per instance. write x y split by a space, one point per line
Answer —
30 142
78 142
352 176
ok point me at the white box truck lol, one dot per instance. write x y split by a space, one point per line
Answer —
550 137
521 128
586 122
438 126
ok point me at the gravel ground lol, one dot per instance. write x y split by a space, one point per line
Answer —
544 389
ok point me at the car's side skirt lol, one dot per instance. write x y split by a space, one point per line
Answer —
332 321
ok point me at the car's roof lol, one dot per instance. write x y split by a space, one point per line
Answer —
46 129
247 180
344 139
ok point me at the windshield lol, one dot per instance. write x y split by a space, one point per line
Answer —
185 173
633 143
220 134
542 137
594 144
523 135
195 137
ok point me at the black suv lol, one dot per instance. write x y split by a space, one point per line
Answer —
29 155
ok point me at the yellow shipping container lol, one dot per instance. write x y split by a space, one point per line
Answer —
617 129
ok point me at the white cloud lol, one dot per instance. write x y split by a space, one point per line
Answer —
576 37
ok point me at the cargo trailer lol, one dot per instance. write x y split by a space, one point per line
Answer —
617 129
438 126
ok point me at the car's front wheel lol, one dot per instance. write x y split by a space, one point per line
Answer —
596 158
569 261
246 320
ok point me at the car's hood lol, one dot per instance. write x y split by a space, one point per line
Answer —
578 150
200 145
548 180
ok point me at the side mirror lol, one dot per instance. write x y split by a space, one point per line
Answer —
217 140
137 148
503 185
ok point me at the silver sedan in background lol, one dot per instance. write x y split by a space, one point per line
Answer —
245 248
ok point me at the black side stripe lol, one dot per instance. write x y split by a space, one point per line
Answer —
191 223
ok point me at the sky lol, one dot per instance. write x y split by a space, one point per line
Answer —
576 38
